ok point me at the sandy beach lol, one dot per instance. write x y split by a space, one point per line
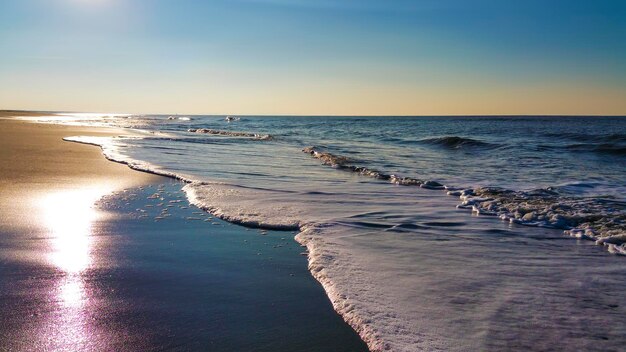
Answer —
92 260
35 160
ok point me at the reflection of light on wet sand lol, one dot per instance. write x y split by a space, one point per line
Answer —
73 119
69 217
72 292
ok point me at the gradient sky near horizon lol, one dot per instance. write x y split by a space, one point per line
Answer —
314 57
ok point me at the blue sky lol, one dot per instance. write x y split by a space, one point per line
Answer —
314 57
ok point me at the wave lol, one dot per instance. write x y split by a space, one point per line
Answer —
455 142
604 148
343 163
599 219
231 133
602 220
323 258
204 194
582 137
613 143
617 149
111 154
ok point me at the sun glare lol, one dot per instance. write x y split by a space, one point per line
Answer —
69 216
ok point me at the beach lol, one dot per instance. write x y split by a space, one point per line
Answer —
426 233
96 256
35 160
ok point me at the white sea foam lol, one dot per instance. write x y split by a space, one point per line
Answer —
599 219
111 151
182 118
230 133
244 206
356 296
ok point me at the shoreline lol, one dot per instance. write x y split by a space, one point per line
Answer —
366 333
81 168
40 161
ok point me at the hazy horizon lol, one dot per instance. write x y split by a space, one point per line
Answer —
289 115
302 57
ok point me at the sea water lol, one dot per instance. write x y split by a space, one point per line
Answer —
415 226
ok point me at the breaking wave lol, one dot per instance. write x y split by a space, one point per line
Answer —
343 163
230 133
599 219
602 220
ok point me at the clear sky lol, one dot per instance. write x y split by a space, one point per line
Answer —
350 57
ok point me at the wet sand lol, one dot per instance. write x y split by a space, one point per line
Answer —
35 161
90 260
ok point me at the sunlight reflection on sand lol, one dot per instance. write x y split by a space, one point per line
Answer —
69 217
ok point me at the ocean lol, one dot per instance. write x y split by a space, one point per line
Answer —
427 233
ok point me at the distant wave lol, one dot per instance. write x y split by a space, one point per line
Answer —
600 219
230 133
604 148
612 143
597 138
600 148
455 142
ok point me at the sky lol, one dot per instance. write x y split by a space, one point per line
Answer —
315 57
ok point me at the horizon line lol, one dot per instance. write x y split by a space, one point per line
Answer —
313 115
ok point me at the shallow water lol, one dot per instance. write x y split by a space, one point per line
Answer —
403 266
